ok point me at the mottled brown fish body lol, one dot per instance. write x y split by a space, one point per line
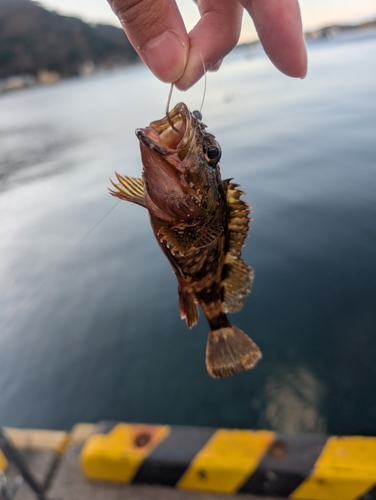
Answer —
200 223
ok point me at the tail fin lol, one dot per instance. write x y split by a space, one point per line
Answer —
229 350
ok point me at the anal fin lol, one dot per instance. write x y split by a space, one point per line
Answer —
188 307
129 189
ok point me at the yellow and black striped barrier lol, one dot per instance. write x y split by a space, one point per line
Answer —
302 467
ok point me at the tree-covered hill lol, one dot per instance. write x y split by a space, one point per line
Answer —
34 39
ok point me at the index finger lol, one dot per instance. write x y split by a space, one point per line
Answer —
213 37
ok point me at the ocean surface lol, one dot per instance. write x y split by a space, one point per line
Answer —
90 328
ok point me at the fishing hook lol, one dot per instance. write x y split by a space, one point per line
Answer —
167 106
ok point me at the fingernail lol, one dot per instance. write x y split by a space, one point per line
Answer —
215 67
166 57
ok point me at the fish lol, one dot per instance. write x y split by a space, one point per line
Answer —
200 223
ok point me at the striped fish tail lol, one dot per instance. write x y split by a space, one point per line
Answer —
229 350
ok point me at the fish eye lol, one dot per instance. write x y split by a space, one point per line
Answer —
213 154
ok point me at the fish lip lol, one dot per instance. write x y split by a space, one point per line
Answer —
162 136
145 139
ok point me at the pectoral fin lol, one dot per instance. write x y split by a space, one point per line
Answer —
182 239
129 189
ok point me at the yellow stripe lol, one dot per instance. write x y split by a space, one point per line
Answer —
38 439
345 470
3 462
118 455
227 460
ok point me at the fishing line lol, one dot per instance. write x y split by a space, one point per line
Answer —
172 88
205 81
56 266
167 108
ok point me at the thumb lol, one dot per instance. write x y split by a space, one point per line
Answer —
156 30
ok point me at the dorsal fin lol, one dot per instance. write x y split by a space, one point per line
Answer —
129 189
237 275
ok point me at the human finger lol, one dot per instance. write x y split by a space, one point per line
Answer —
213 37
157 32
279 27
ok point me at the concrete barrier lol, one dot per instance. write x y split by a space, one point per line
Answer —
39 439
32 454
302 467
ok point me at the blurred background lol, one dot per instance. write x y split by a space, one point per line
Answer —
89 322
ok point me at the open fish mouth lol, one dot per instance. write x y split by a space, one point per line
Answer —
172 134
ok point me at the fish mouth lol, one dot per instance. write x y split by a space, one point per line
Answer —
172 134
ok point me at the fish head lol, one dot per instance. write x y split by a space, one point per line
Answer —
180 166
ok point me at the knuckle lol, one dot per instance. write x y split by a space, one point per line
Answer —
139 16
226 32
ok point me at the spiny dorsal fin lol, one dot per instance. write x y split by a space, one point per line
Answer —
237 274
180 239
129 189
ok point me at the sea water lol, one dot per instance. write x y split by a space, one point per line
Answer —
88 307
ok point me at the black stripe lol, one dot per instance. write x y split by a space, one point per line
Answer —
220 321
209 264
168 462
208 294
225 270
288 462
370 495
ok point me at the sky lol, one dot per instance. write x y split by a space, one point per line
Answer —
315 13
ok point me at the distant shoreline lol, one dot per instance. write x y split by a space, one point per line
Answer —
330 31
111 45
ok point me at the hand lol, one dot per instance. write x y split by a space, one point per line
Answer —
156 30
